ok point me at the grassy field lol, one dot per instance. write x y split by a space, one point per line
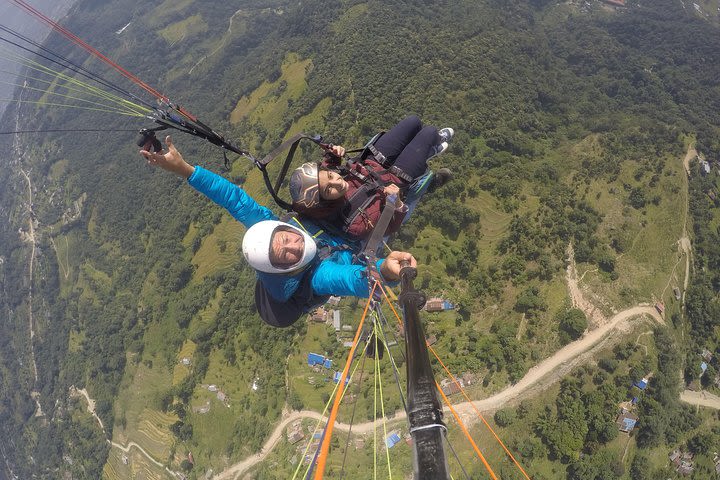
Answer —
648 266
268 103
67 259
168 8
219 250
181 371
188 27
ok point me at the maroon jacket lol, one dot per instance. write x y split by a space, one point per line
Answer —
362 224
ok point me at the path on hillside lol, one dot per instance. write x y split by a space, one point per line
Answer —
30 238
691 153
222 44
82 392
702 398
74 392
126 449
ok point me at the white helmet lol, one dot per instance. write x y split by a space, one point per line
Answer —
257 241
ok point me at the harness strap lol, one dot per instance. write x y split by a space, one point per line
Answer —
359 201
292 143
400 174
373 243
324 250
379 157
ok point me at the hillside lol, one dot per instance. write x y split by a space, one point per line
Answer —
124 298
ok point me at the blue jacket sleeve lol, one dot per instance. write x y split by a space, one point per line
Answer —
331 278
229 196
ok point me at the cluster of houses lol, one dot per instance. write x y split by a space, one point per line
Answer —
219 394
683 461
627 418
296 433
330 316
706 359
451 386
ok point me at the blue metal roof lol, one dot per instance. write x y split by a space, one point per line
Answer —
628 424
336 378
315 359
392 440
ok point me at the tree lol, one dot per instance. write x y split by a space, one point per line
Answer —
185 465
640 468
702 443
573 323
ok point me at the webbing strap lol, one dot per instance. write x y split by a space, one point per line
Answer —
275 152
378 233
292 143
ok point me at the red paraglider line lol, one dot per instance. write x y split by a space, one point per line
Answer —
78 41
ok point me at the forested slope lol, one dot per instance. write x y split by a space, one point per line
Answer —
571 125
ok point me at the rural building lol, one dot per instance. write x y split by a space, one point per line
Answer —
676 291
315 359
392 440
334 301
336 378
704 167
642 384
320 315
660 307
295 436
437 304
626 421
336 319
682 462
450 387
617 3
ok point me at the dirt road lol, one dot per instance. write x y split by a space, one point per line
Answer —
691 153
703 399
90 403
126 449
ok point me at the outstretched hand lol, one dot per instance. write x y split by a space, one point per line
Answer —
170 160
337 150
390 268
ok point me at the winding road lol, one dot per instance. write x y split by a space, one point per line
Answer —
537 378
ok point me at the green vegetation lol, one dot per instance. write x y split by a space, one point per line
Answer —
571 125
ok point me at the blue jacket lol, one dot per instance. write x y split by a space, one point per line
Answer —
334 275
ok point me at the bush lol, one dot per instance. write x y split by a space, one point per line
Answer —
505 417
